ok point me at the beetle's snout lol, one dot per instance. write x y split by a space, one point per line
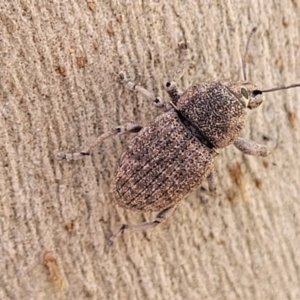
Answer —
256 99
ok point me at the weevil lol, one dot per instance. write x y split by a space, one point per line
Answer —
175 153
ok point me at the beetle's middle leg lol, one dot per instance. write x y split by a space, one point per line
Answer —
161 217
212 185
128 127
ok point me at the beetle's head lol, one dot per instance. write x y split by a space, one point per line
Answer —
246 93
249 95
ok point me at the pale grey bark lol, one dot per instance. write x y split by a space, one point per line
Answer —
59 60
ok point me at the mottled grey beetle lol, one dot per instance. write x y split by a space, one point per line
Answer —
172 156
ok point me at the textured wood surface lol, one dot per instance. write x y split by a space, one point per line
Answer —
57 90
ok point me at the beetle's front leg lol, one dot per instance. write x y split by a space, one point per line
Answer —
161 217
251 148
128 127
130 85
173 91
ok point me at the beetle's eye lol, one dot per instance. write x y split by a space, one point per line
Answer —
244 92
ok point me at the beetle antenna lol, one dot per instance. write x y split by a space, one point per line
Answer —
284 87
244 59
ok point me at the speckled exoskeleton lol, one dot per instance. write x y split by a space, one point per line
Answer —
172 155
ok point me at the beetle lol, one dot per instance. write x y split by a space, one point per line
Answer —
174 153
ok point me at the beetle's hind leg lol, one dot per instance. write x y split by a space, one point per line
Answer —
161 217
128 127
